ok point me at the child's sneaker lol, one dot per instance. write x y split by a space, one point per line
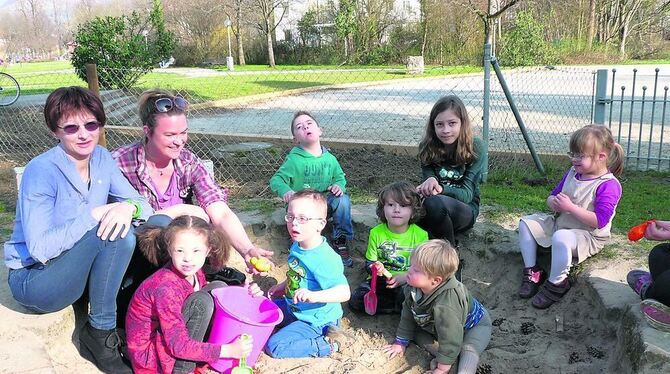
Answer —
639 281
657 314
340 246
550 293
531 280
340 340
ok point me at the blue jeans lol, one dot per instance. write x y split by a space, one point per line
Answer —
296 338
339 208
100 264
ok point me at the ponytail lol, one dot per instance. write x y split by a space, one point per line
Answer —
151 242
615 160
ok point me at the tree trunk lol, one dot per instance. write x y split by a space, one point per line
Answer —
424 25
271 53
240 43
622 42
592 24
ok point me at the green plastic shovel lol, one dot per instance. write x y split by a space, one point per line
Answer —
242 368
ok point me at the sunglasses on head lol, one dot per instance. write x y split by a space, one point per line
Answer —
73 129
166 104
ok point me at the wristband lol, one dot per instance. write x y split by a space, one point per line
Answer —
401 341
138 208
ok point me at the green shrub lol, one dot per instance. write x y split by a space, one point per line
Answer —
524 44
124 48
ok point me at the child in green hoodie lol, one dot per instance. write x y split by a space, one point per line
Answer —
310 165
439 313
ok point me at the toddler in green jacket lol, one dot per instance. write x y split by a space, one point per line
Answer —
310 165
452 325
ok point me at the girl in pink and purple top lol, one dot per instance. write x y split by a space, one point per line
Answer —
171 310
584 203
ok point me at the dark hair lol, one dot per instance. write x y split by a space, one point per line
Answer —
595 139
155 241
403 193
147 107
67 101
319 200
301 113
431 148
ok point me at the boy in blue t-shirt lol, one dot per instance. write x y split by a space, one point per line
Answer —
314 288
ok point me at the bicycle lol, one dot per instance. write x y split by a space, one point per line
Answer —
9 89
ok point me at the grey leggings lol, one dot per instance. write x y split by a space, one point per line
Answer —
197 312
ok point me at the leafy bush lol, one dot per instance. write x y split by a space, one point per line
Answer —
524 44
124 48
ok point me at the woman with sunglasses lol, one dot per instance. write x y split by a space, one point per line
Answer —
169 175
67 236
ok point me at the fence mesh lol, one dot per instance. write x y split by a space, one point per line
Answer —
372 119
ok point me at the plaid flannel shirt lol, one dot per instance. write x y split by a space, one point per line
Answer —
192 176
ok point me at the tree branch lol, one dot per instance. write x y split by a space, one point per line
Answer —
503 9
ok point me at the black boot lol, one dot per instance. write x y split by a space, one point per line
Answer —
101 347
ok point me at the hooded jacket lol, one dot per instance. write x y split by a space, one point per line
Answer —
441 314
302 170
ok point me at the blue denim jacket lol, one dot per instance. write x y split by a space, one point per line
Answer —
54 205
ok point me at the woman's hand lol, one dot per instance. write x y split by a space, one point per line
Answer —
393 350
429 187
115 220
238 349
258 252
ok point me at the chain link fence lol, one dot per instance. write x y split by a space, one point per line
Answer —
373 119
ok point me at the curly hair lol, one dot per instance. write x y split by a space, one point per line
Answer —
431 148
403 193
155 241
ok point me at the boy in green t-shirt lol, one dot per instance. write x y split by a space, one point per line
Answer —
310 165
390 246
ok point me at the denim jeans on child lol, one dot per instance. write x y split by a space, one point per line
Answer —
297 338
100 264
339 208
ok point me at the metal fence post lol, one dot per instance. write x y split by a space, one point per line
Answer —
601 100
486 106
92 79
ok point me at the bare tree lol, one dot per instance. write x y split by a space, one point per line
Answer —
235 13
269 22
486 16
592 23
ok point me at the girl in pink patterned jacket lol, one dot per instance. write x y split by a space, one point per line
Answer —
171 310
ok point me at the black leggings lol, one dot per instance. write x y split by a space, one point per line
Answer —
659 267
445 217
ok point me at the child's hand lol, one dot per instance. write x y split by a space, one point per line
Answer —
303 295
254 290
277 290
287 196
563 203
396 281
393 350
657 230
429 187
335 190
237 349
379 266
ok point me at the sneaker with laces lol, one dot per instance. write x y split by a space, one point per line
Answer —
639 281
340 246
657 314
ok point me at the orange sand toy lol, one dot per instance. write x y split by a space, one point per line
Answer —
637 232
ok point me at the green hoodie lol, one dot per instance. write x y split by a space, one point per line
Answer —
303 170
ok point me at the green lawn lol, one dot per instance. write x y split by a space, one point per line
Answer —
43 77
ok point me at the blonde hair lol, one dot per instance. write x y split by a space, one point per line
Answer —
431 148
155 241
596 139
318 199
147 107
436 257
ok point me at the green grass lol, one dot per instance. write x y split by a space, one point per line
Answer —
265 206
36 67
647 62
644 194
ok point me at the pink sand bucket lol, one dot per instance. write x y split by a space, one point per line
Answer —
236 313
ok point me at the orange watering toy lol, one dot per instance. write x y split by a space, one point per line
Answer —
637 232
